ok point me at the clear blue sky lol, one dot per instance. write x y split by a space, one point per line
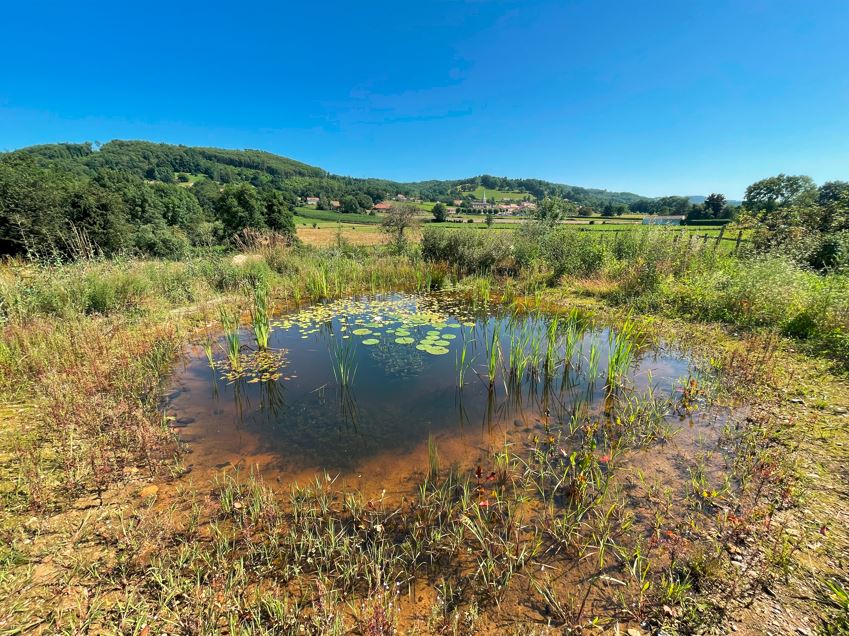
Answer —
664 97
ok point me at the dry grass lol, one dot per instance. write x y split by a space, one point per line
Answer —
329 236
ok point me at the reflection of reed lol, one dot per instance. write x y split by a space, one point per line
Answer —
271 397
348 408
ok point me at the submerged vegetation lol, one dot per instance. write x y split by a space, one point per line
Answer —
588 518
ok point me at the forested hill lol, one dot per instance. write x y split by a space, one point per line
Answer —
128 197
166 163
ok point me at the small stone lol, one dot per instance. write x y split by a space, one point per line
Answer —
804 631
633 631
149 491
517 422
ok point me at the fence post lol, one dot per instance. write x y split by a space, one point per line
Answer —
719 238
737 244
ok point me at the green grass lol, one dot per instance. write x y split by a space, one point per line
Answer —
498 195
311 215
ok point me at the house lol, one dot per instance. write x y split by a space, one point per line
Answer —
312 200
400 197
335 204
382 206
664 220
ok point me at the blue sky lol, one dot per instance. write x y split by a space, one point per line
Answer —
666 97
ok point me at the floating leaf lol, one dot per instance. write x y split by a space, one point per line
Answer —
404 340
370 341
361 332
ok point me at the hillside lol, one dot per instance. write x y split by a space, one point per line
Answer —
164 162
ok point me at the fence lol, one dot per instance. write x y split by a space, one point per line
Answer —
704 238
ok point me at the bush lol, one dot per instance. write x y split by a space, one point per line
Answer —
468 250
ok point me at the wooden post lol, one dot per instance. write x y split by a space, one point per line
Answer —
719 238
737 244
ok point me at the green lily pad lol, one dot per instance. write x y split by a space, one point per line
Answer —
370 341
361 332
437 351
448 336
434 333
440 343
404 340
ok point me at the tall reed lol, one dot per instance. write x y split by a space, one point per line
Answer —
260 316
343 356
622 350
230 324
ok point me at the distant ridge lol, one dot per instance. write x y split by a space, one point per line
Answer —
161 162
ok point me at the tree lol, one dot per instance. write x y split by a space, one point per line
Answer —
767 195
349 205
552 209
365 201
490 219
278 214
240 207
399 218
440 212
715 204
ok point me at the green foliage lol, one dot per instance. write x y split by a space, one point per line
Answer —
440 212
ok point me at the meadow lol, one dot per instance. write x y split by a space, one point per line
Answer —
118 517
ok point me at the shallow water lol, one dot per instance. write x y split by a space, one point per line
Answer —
296 421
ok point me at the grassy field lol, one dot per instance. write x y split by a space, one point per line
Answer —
309 216
498 195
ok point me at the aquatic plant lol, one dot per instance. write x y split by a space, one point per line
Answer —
518 357
461 364
343 356
551 346
260 316
208 352
621 353
492 354
230 324
593 361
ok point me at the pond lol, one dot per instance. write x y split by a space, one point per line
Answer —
360 388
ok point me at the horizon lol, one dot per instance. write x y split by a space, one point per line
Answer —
717 98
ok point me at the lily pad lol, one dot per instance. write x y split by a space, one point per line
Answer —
404 340
437 351
370 341
361 332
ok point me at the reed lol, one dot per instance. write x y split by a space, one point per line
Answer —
492 354
230 324
461 364
551 346
208 352
260 316
593 361
343 357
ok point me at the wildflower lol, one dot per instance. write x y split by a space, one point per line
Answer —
604 459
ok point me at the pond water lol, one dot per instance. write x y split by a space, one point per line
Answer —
292 419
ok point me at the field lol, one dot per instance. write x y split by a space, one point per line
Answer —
489 432
498 195
320 227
